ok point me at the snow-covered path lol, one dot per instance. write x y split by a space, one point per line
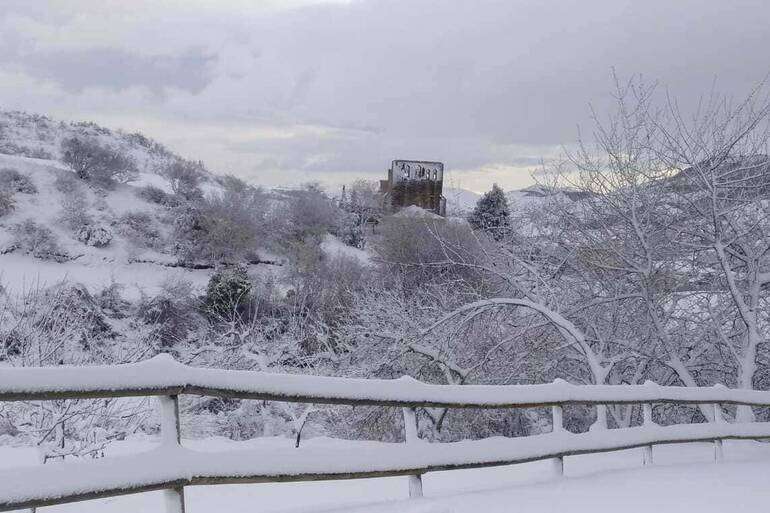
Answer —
684 478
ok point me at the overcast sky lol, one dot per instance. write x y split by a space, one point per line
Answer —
289 91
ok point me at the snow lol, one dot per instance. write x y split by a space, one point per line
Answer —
20 273
93 267
415 211
172 464
162 372
334 247
153 179
683 474
460 200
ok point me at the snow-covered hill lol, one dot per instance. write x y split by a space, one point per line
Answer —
537 194
462 201
56 227
135 256
36 136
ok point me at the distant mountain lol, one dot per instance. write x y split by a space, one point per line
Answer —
459 201
534 194
742 177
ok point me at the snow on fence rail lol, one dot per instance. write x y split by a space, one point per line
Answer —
171 467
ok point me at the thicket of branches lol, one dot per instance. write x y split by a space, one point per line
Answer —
659 271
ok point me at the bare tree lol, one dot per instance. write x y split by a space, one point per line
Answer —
721 168
96 162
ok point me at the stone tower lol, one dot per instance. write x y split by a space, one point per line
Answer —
414 182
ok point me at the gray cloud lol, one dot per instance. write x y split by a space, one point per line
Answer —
110 68
477 84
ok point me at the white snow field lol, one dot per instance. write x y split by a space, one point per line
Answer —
684 478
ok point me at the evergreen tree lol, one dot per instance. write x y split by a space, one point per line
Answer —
228 292
491 213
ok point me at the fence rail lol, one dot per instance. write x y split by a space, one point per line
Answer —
171 467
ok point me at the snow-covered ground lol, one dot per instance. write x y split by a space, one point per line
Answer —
334 247
684 478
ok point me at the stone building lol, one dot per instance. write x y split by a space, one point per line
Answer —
414 182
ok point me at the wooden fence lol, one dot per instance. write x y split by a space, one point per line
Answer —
172 467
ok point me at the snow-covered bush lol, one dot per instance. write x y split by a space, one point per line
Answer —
75 212
97 163
228 292
309 212
423 248
350 231
225 227
11 180
95 236
67 183
110 299
185 178
233 223
491 213
139 227
158 196
37 240
63 325
171 315
362 202
7 203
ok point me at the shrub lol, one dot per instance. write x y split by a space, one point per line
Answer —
232 183
323 290
172 313
158 196
37 240
139 227
7 203
310 212
75 213
225 227
228 292
110 300
185 178
350 231
492 213
428 250
97 163
12 181
67 183
95 236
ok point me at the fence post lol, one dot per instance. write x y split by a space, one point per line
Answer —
647 421
719 454
171 436
411 436
557 421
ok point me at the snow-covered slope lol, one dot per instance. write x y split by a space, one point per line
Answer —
31 135
122 260
459 201
531 197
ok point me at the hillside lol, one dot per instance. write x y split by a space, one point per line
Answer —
157 227
60 228
31 135
138 264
